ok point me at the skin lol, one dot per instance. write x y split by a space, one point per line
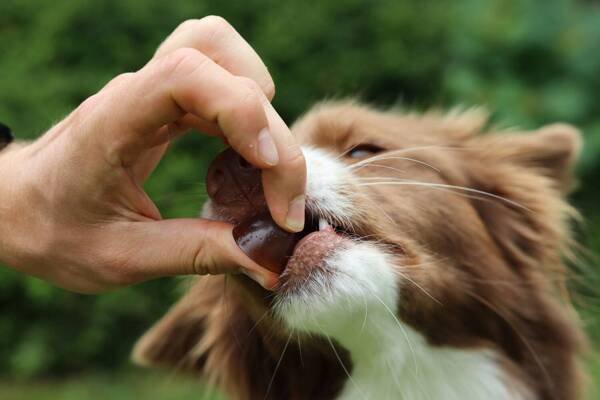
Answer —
72 208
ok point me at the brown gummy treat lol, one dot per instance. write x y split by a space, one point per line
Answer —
261 239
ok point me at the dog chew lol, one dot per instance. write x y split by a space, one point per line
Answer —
261 239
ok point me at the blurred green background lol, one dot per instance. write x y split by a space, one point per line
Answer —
530 62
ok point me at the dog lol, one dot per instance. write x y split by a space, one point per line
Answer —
432 267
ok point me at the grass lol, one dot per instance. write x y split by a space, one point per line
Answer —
147 386
593 370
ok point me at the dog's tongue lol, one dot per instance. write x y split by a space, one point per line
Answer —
265 242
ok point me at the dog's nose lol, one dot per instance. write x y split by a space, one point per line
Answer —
232 181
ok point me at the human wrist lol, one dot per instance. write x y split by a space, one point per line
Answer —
7 245
13 234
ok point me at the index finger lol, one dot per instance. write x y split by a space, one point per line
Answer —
218 40
187 81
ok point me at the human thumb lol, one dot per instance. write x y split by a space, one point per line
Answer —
188 246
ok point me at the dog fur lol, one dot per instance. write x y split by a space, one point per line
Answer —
451 285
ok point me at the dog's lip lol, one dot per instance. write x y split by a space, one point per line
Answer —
324 226
308 260
307 250
318 233
307 238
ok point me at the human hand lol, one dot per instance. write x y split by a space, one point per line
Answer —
72 207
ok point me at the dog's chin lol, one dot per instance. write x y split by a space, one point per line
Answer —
354 279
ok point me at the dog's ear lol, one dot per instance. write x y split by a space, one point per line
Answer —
173 341
529 174
551 151
215 335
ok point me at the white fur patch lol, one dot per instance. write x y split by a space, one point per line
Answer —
327 178
354 302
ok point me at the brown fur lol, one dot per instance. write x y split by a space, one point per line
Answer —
491 268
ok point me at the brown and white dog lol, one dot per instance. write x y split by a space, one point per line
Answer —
431 269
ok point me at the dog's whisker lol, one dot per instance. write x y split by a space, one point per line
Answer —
378 207
368 162
466 195
394 377
298 341
272 380
446 186
405 150
453 191
345 152
339 359
258 321
410 149
364 323
402 329
418 286
382 166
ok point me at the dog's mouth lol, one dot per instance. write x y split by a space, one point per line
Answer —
284 252
315 245
235 190
319 232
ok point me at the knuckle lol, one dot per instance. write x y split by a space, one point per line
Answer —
245 107
183 60
266 89
182 55
247 100
202 261
214 25
249 85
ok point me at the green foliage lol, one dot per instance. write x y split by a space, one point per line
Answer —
123 387
530 62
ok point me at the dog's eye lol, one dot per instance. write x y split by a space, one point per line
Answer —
364 150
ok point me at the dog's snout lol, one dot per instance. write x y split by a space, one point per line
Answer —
232 181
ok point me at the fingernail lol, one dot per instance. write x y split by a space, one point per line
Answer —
267 151
295 214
